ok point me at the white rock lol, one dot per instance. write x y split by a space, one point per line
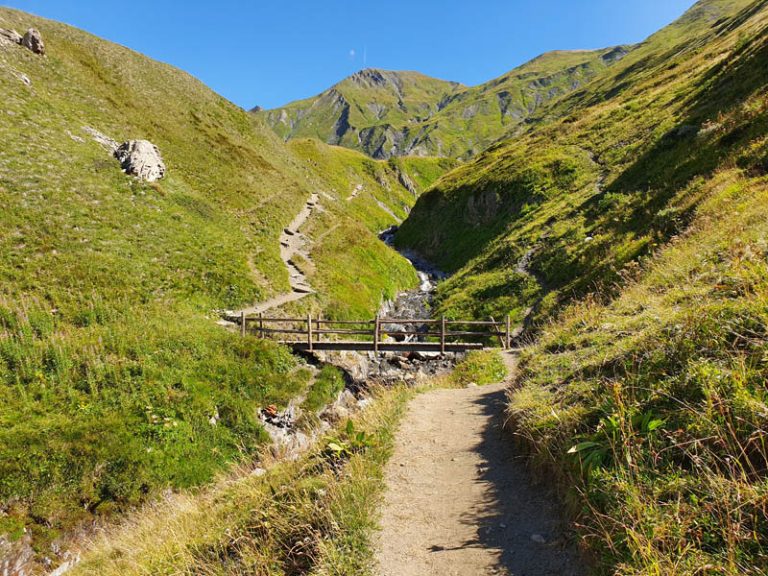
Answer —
100 138
142 159
34 41
10 35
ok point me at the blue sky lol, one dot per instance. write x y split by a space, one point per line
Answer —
270 53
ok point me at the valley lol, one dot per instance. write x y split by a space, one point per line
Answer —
609 202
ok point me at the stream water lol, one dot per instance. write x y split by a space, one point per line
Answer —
412 304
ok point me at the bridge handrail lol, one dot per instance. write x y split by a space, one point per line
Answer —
314 328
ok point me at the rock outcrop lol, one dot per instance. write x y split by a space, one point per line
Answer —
142 159
33 40
10 35
102 139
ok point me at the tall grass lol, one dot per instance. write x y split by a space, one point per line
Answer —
651 410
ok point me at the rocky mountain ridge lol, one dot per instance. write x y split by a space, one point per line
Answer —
387 114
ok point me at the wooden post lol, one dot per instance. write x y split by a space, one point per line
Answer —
242 323
376 331
509 332
309 331
442 334
261 324
502 340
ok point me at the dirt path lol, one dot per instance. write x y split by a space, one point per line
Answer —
460 501
292 243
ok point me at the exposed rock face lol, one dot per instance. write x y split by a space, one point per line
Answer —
10 35
142 159
102 139
34 41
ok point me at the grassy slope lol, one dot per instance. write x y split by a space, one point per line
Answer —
111 366
316 515
661 395
647 401
602 178
437 118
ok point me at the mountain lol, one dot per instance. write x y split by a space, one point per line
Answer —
360 111
624 229
386 114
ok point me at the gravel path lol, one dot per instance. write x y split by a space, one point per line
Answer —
459 499
292 242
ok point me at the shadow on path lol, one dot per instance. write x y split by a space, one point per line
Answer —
518 517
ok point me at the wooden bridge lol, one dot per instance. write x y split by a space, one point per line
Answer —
380 334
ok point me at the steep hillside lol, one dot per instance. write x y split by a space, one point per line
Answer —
360 198
606 174
386 114
640 196
115 381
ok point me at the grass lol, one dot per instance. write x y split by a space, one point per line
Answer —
353 270
600 178
327 386
479 368
312 516
111 366
627 219
650 409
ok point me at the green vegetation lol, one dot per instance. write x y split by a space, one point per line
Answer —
621 218
114 379
479 367
652 408
388 114
327 386
361 197
313 516
604 177
628 220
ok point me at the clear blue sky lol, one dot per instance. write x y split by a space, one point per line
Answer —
270 53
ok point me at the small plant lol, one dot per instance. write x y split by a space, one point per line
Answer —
595 450
355 442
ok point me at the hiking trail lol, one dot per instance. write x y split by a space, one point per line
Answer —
292 243
460 500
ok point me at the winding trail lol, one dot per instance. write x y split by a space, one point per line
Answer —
292 243
459 498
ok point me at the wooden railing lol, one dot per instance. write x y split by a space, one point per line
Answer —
441 334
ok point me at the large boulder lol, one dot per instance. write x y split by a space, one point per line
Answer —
34 41
142 159
10 35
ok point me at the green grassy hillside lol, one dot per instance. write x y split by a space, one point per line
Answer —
638 199
351 268
115 381
650 410
603 177
389 114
